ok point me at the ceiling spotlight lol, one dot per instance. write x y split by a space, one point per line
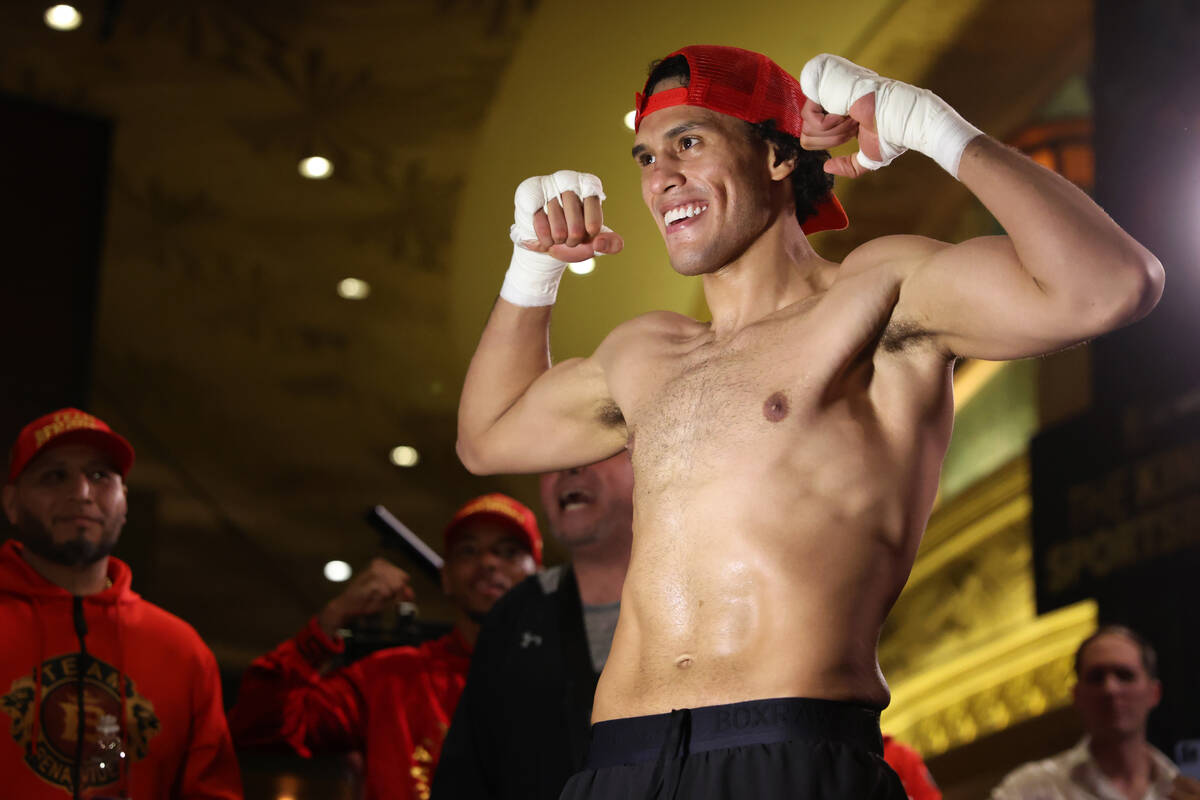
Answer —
404 456
63 18
316 167
353 289
338 571
582 267
630 118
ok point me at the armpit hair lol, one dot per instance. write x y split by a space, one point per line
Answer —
901 334
610 415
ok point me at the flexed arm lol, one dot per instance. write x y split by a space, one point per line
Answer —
517 413
1066 272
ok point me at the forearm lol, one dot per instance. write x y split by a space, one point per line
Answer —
295 665
1074 252
513 352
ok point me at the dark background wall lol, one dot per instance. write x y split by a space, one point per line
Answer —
54 174
1117 492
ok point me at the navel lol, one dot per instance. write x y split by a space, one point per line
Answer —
684 661
776 407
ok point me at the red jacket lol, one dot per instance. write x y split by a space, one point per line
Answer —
395 705
146 667
914 775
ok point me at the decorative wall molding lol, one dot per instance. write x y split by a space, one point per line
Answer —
963 649
1020 674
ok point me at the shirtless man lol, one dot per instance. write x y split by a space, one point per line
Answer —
786 454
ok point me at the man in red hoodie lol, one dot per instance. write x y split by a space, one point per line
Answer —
395 705
109 696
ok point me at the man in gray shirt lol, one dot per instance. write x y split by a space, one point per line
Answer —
523 724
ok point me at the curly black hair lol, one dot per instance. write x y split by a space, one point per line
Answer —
811 185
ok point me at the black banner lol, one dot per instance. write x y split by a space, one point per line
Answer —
1116 517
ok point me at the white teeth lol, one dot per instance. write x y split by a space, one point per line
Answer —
676 214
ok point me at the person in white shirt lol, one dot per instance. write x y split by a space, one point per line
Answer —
1117 688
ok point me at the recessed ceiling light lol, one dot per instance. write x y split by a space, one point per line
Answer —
338 571
582 267
630 118
353 289
404 456
316 167
63 18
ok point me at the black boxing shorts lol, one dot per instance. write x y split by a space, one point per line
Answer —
761 749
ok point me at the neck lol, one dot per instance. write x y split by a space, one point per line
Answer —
83 580
779 268
467 628
1124 757
600 570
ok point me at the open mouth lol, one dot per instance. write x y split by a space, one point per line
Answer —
490 587
574 499
681 215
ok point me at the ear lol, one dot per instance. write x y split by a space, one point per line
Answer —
1156 693
9 498
778 168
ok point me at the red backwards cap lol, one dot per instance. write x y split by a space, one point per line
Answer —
746 85
504 509
65 426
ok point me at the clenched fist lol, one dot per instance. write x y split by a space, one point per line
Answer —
372 590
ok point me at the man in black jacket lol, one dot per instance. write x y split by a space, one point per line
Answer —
522 725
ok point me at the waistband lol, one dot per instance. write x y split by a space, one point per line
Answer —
634 740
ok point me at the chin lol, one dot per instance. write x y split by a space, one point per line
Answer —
576 539
483 605
699 259
691 267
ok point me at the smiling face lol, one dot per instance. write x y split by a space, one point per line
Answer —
68 505
712 188
1115 694
484 560
592 505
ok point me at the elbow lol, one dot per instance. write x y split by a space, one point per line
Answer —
1145 289
471 458
1131 297
1154 279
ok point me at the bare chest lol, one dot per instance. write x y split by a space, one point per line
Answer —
725 401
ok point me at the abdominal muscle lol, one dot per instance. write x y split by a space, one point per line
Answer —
731 596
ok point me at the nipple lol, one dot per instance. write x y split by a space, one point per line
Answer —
684 661
776 407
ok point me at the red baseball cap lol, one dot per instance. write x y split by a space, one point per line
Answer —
746 85
68 426
504 509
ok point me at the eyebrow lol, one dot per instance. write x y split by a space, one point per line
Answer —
671 134
92 464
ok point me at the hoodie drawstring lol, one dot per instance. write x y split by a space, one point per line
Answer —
81 668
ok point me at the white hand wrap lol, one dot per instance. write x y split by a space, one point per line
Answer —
532 277
905 116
